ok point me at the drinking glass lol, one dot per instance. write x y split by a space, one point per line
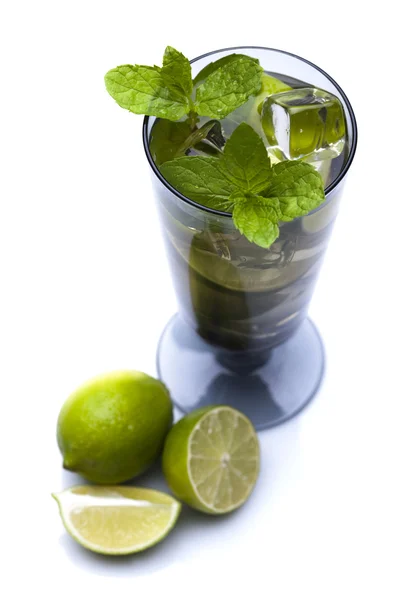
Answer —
242 336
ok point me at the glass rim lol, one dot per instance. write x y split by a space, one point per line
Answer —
222 213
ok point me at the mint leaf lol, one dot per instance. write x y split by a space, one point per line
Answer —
245 160
166 92
200 179
228 87
144 90
298 187
241 181
177 70
256 218
167 140
214 66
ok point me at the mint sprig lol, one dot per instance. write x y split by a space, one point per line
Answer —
228 87
202 179
167 138
177 71
256 218
168 92
219 64
245 160
239 180
298 187
146 91
243 182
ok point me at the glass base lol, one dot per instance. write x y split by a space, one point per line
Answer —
198 374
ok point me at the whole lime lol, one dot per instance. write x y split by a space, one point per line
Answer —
113 427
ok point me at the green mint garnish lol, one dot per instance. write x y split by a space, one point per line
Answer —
256 218
202 179
242 181
228 87
177 71
167 92
238 179
146 91
218 64
245 160
167 138
298 187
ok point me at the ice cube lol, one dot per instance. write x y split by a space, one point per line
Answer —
304 123
250 111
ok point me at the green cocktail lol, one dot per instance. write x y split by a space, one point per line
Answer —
236 294
249 148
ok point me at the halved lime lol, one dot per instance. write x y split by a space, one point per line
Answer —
117 519
211 459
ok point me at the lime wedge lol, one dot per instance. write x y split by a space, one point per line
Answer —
211 459
269 85
116 519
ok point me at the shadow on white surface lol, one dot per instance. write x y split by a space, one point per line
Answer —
198 537
172 550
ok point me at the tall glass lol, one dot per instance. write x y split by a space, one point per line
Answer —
242 336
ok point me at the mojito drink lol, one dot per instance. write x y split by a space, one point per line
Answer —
249 148
238 295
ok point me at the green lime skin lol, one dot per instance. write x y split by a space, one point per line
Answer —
113 427
175 459
211 459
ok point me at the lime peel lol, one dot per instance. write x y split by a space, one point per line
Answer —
112 428
117 520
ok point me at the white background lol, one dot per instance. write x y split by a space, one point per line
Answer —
86 289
